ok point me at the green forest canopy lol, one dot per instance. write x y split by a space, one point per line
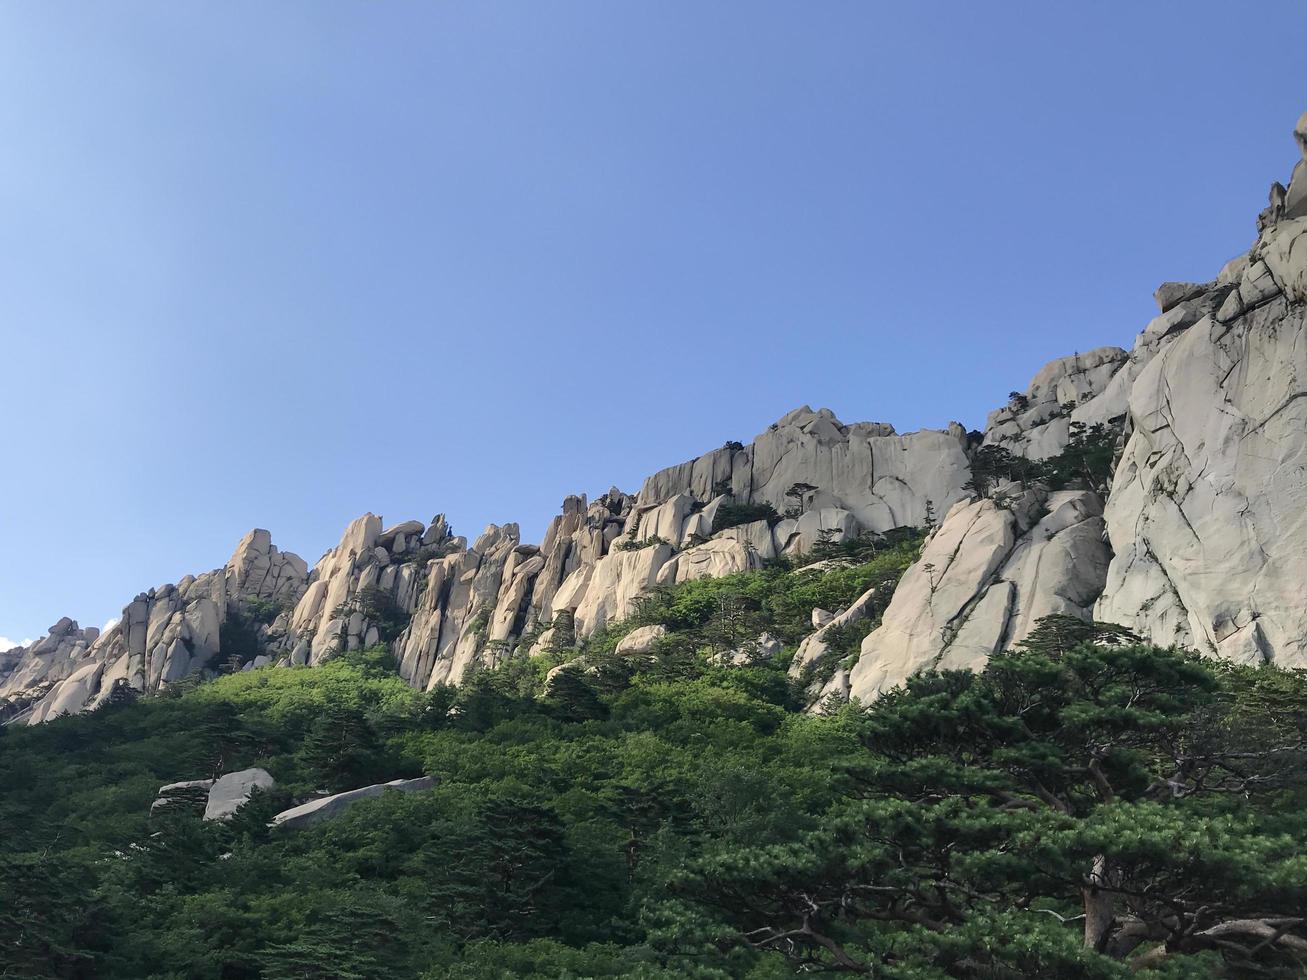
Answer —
1087 806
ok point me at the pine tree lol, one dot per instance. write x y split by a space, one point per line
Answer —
572 699
341 748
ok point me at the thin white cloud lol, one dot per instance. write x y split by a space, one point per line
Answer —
7 644
111 624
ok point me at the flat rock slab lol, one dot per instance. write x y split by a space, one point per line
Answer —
316 811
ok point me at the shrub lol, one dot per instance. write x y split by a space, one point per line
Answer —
383 612
733 515
632 545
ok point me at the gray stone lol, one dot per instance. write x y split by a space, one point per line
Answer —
1208 512
985 577
316 811
175 793
1172 294
1295 200
232 791
763 648
641 639
1076 388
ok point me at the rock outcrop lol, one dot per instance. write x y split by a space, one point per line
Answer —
1201 540
316 811
986 576
1295 196
1036 423
444 607
881 478
233 790
28 674
164 634
216 799
1206 520
188 795
1208 512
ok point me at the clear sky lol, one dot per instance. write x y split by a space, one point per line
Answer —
278 264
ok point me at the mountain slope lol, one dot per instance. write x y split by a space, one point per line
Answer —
1202 517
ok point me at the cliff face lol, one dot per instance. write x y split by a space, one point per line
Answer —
1208 512
443 606
464 606
1200 538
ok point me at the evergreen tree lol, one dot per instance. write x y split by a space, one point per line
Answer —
48 927
572 698
501 876
341 748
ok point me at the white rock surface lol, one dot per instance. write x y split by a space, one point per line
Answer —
1204 519
984 578
1208 514
1040 427
316 811
641 639
815 644
233 790
714 559
883 479
764 647
164 634
173 793
618 580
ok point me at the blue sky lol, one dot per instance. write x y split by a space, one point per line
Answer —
279 264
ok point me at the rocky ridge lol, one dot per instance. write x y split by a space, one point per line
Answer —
164 634
1198 538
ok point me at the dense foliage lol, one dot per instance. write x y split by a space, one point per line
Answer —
731 514
1086 461
1086 807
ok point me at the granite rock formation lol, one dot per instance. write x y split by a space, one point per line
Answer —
1199 537
164 634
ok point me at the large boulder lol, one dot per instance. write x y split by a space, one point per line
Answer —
232 791
189 794
713 559
641 639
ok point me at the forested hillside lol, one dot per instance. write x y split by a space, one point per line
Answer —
1086 807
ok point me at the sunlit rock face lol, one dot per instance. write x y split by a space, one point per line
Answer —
1207 514
164 634
985 577
461 606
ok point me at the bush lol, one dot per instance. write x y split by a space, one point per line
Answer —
632 545
734 515
238 640
383 612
